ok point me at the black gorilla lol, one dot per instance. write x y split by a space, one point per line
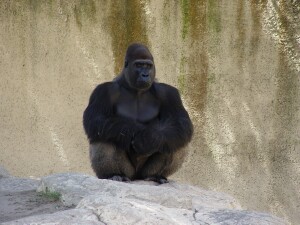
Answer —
137 127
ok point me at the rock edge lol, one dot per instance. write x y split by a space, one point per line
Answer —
111 202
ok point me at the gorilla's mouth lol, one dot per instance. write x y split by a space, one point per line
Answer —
143 84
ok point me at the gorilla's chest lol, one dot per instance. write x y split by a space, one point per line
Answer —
143 108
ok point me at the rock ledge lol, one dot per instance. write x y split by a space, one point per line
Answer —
110 202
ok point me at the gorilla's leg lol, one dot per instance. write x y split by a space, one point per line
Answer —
110 163
161 165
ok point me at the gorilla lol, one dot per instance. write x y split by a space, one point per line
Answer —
137 127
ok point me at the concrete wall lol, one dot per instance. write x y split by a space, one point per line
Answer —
236 64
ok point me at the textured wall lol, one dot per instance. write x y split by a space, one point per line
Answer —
236 64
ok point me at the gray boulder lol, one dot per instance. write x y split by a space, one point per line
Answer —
71 216
12 184
18 199
111 202
3 172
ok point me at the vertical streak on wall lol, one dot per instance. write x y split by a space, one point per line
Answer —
252 57
59 148
126 24
241 35
182 79
287 92
214 16
256 11
194 63
287 110
198 60
85 10
185 18
90 61
192 80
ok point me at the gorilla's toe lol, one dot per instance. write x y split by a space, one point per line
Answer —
119 178
158 179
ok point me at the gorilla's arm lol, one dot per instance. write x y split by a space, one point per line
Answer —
172 131
99 121
175 125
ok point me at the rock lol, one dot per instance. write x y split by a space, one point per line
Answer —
12 184
3 172
72 216
15 205
111 202
239 217
112 210
145 203
73 187
18 198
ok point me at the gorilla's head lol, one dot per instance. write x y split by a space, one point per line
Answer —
139 67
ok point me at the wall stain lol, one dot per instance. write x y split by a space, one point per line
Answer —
181 79
185 17
46 7
282 152
287 81
85 10
126 24
214 15
166 16
35 5
197 59
240 42
257 9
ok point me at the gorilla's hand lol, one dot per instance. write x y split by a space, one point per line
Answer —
146 142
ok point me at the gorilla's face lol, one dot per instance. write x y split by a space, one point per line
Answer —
140 69
140 74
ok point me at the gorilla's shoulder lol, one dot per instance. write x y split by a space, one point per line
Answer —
165 90
107 87
105 91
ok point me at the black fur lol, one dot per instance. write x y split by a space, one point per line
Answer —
141 119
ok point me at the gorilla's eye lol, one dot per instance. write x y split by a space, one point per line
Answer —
143 65
139 65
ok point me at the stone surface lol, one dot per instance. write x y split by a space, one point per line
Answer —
15 205
18 199
12 184
238 217
111 202
3 172
72 216
74 187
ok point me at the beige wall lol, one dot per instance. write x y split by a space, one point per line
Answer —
236 64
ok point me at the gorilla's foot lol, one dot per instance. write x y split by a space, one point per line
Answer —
158 179
119 178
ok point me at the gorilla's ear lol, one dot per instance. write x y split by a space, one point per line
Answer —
126 64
